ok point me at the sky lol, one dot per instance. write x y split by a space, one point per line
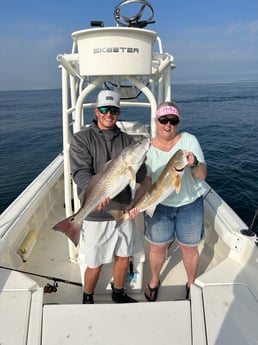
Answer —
211 41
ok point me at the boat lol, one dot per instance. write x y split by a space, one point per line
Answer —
41 271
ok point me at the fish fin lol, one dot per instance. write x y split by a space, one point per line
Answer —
71 228
150 211
118 215
132 183
177 183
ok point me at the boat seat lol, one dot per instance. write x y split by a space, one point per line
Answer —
116 324
228 271
20 315
229 305
20 308
14 315
229 314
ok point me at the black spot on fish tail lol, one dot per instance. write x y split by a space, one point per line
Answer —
71 228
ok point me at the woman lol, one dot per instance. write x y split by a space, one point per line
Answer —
180 215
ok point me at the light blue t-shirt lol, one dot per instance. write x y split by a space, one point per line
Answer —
191 188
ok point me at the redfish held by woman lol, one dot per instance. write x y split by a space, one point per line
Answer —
168 181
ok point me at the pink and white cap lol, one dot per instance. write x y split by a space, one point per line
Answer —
167 110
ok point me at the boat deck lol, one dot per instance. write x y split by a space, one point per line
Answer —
50 257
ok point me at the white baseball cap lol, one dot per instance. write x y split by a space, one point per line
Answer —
108 98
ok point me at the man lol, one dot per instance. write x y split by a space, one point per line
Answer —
90 149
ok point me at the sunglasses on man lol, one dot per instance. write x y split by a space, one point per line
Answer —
112 110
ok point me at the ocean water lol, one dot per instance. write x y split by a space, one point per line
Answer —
224 117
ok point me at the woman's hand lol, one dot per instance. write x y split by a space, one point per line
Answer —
192 159
198 169
132 213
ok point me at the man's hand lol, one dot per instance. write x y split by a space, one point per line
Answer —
102 204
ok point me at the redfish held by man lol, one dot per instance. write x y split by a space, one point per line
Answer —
117 174
168 181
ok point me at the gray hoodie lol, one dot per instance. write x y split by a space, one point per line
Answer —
90 149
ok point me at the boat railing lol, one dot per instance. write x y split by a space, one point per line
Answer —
30 209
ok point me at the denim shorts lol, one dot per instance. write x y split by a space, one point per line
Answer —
185 223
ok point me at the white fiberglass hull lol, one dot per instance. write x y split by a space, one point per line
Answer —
223 302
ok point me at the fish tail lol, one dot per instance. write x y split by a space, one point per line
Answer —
71 228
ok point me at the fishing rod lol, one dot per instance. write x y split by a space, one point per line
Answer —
48 288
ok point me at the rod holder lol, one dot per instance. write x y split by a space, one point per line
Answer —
249 232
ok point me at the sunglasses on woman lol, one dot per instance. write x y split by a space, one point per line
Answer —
164 120
105 110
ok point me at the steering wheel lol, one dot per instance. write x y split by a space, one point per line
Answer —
134 21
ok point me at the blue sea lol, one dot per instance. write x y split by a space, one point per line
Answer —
224 117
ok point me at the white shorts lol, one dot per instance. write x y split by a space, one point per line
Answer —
100 241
